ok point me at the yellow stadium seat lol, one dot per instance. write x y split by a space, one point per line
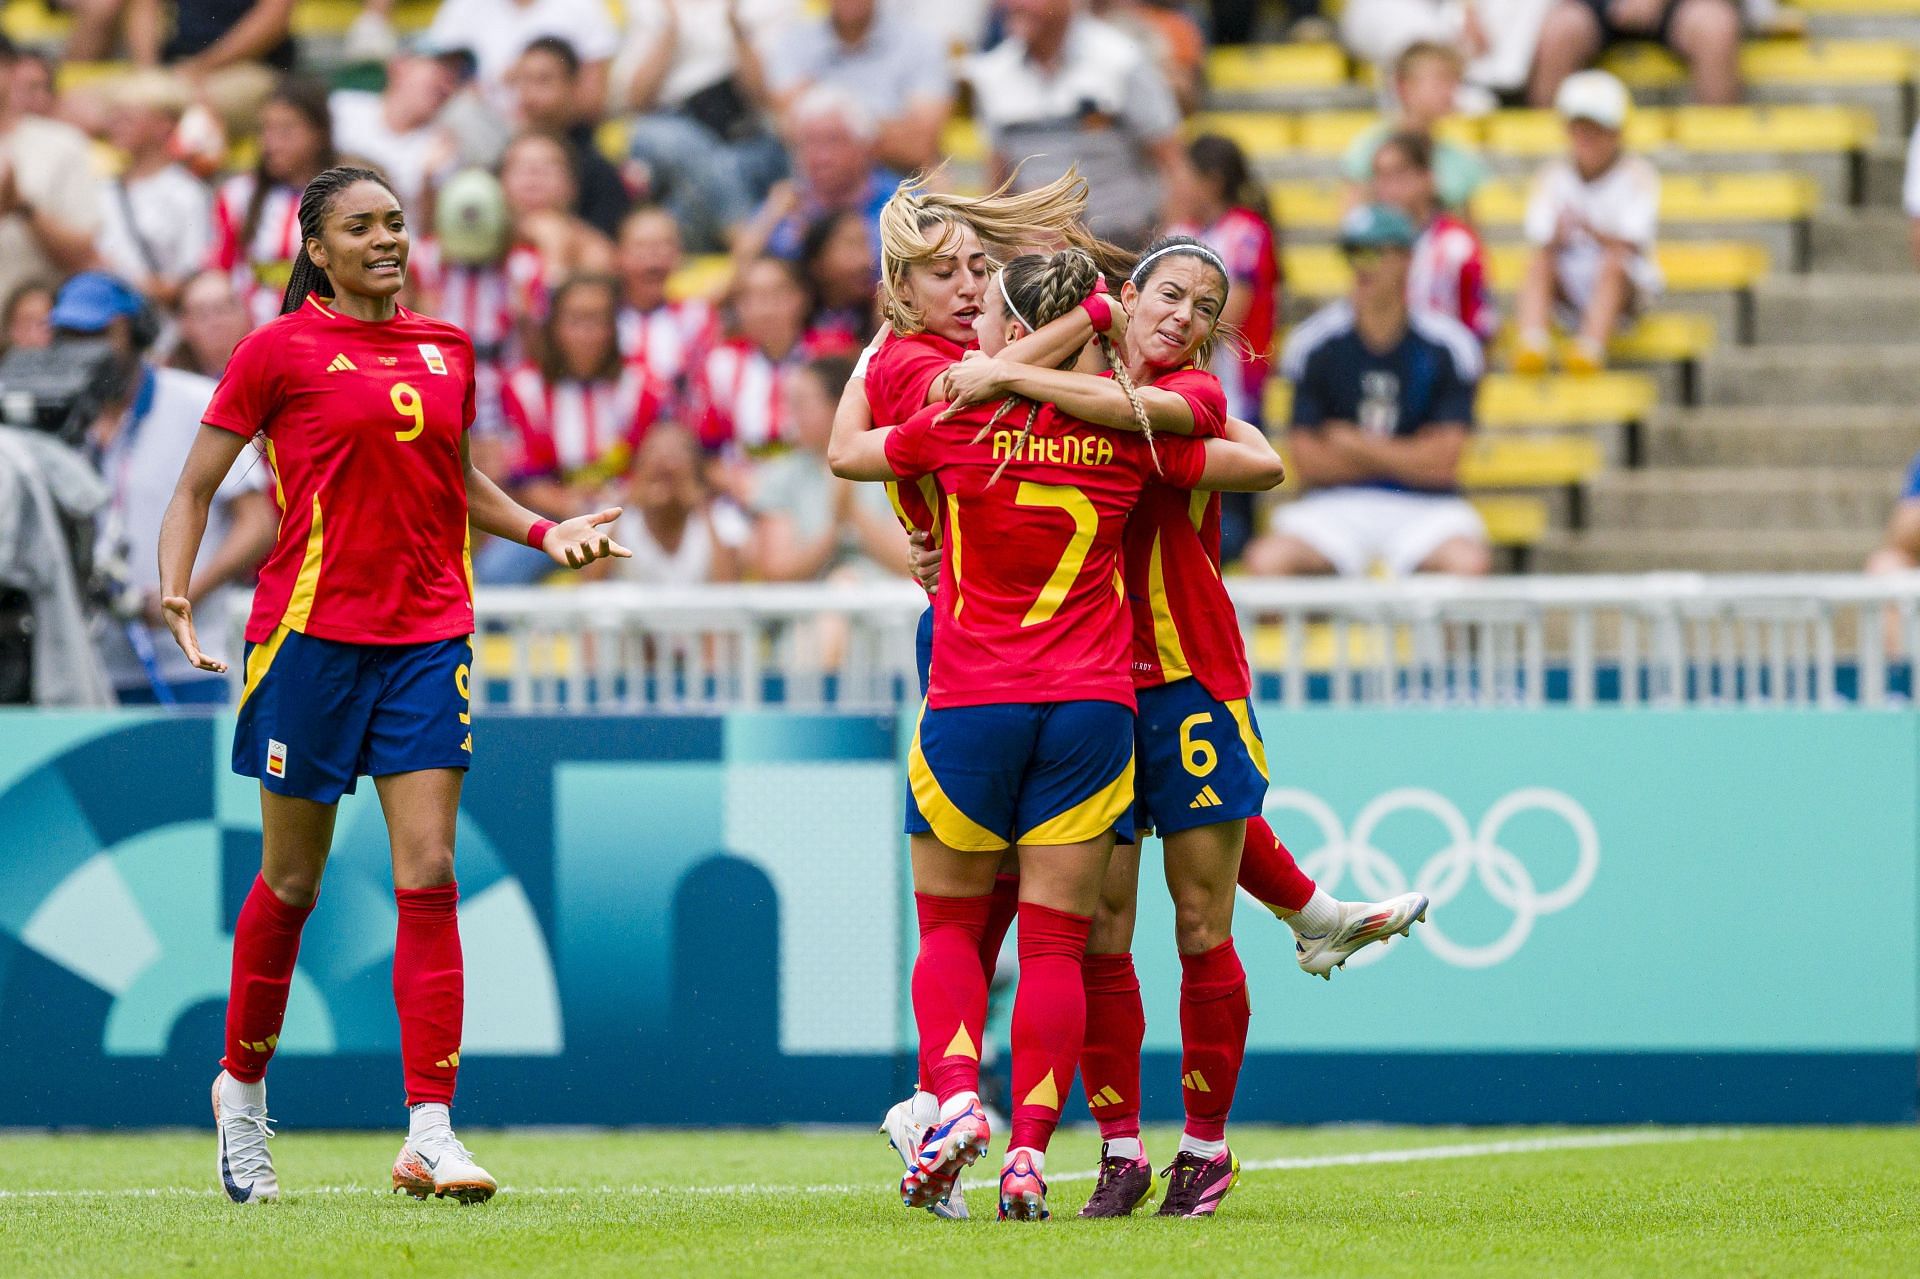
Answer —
961 141
1304 205
333 17
1665 337
1513 520
1858 8
1256 67
611 139
1332 132
1259 133
1509 401
80 75
1543 133
1684 197
1508 462
1318 273
1782 129
705 276
1778 62
34 22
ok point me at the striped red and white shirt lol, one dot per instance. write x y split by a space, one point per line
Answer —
739 390
261 266
669 342
1449 275
578 432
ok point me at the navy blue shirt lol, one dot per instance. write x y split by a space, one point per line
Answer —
1428 379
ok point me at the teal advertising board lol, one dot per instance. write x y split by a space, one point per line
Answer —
1637 915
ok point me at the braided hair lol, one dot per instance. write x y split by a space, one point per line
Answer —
315 203
1039 290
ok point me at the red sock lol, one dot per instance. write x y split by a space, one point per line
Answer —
1268 871
1049 1019
1213 1037
950 992
266 941
429 990
1110 1059
1006 904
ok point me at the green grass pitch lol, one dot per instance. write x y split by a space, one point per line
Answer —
1332 1201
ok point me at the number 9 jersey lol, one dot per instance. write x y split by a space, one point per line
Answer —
363 423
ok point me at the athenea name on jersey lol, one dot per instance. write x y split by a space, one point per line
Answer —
1062 450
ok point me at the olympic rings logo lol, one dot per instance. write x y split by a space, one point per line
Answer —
1468 854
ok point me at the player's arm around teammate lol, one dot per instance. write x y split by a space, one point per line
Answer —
359 656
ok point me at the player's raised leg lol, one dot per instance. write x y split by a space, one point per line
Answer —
1327 931
429 983
1110 1057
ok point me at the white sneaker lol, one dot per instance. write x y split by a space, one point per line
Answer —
1361 924
244 1164
442 1167
904 1134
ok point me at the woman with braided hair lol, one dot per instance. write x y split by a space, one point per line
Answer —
1202 771
1026 741
359 649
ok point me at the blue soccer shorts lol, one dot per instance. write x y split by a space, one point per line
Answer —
1201 759
317 714
923 649
983 777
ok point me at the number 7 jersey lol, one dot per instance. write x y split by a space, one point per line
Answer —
363 425
1031 605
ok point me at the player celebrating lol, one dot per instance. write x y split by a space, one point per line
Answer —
1025 739
359 647
1202 767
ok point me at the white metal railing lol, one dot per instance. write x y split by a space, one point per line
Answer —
1667 639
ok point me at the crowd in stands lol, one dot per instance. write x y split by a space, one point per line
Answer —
562 167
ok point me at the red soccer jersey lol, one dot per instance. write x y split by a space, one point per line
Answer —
899 376
363 424
1183 622
1031 606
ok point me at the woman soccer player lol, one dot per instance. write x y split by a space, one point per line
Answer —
1202 768
359 649
1025 741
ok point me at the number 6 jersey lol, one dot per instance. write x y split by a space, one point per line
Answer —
362 425
1031 605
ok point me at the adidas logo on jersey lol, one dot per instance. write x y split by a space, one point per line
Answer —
1206 799
341 364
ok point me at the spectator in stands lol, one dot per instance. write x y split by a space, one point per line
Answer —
212 320
24 325
1703 33
836 257
679 533
550 242
1171 38
397 130
885 61
667 338
1234 21
33 84
691 71
139 443
497 32
1592 219
157 221
810 526
1449 271
546 83
1067 89
1910 193
197 38
1382 410
1899 549
463 279
256 216
1426 82
744 407
835 170
50 200
575 416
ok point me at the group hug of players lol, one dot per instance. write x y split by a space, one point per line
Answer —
1039 405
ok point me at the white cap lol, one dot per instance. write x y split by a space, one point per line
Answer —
1593 95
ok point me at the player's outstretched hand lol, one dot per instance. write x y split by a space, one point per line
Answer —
179 614
583 539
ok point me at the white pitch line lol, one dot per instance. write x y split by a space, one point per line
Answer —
1297 1163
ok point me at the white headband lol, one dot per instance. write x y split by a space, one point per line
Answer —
1013 310
1199 250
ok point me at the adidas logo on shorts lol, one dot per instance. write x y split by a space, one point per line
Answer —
276 758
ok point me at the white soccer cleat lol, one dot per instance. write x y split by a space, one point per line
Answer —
244 1163
1361 924
442 1167
905 1134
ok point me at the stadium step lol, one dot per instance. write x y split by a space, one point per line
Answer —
1871 239
1653 550
1812 375
1747 498
1877 435
1837 308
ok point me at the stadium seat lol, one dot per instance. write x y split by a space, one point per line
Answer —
705 276
1318 273
1827 63
1684 197
962 143
1510 402
610 138
1538 134
1515 521
1259 133
1508 462
1779 129
331 18
78 75
34 22
1256 67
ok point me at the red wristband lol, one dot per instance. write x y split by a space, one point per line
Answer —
1099 284
1099 312
537 535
